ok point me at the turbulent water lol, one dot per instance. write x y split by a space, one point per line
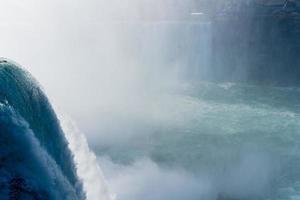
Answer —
36 161
211 141
180 96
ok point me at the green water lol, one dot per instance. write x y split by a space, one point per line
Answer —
244 138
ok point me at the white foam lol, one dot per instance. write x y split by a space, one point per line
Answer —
87 166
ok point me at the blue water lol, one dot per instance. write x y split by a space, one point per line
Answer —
36 162
206 140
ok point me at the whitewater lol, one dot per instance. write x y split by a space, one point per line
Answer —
38 160
207 140
210 141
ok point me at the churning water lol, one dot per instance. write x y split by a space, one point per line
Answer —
224 131
211 141
38 159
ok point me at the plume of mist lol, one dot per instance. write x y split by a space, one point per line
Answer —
109 52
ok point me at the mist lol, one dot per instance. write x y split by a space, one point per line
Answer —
178 99
101 62
98 56
89 49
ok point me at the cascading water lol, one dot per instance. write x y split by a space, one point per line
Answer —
229 128
36 162
86 163
182 100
